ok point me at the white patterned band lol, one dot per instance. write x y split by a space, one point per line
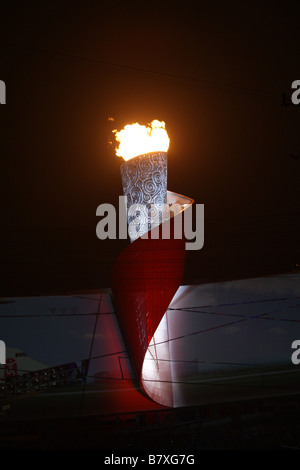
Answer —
144 180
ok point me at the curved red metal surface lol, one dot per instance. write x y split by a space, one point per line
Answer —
144 279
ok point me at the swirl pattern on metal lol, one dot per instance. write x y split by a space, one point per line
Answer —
144 180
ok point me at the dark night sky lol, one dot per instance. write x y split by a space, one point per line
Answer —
214 71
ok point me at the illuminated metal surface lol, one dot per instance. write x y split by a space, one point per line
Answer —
231 341
144 180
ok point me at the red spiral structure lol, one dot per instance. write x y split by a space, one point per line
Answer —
144 279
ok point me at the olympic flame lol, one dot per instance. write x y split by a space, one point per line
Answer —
136 139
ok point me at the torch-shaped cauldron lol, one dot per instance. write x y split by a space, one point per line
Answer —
147 273
144 174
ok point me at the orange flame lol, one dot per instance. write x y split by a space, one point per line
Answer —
136 140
